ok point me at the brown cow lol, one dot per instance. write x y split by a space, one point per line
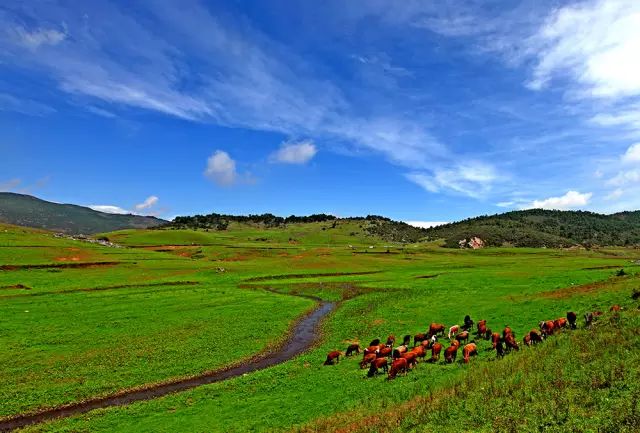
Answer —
487 334
385 352
380 363
420 351
511 343
435 352
368 358
463 336
615 307
435 329
495 339
353 348
411 357
560 323
333 356
506 331
527 340
468 351
535 337
399 351
548 327
399 365
453 331
419 338
372 349
451 352
572 317
482 328
391 340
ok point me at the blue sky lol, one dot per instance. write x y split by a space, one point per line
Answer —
417 110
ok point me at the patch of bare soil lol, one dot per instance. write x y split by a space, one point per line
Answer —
15 287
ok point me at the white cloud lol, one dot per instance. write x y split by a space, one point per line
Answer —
632 154
295 152
109 209
38 37
149 202
473 179
615 194
625 178
570 200
10 185
221 168
594 42
24 106
426 224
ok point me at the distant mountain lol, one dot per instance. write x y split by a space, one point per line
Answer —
539 228
25 210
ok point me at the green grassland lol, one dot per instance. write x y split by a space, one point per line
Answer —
175 303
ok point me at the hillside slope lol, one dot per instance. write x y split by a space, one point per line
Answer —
540 228
28 211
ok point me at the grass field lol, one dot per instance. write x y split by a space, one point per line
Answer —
177 303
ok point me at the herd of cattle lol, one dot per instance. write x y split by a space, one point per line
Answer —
399 360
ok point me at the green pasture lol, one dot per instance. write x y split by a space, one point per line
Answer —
161 313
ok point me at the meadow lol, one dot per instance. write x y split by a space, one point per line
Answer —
79 320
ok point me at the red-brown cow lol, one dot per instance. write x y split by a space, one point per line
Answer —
572 318
333 357
420 351
535 337
463 336
615 308
385 352
353 348
367 359
511 343
482 327
399 365
506 331
435 352
453 331
380 363
495 339
560 323
451 352
435 329
411 357
468 351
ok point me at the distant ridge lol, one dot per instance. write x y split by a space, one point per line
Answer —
29 211
540 228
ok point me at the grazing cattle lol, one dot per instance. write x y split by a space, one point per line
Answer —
487 334
468 351
333 357
588 319
353 348
453 331
463 336
468 323
419 351
560 323
435 352
406 340
482 328
435 329
511 343
372 349
495 339
499 348
367 359
572 317
411 357
506 331
380 363
527 340
375 342
615 308
535 337
548 327
419 338
399 351
398 366
451 352
385 352
391 340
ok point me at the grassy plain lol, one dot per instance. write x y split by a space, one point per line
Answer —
166 310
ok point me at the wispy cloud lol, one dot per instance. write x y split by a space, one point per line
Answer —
24 106
10 185
299 152
473 179
148 203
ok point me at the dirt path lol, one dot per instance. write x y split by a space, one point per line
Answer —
303 335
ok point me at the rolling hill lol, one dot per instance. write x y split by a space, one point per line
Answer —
29 211
544 228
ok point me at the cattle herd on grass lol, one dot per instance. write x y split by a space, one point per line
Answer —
384 357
